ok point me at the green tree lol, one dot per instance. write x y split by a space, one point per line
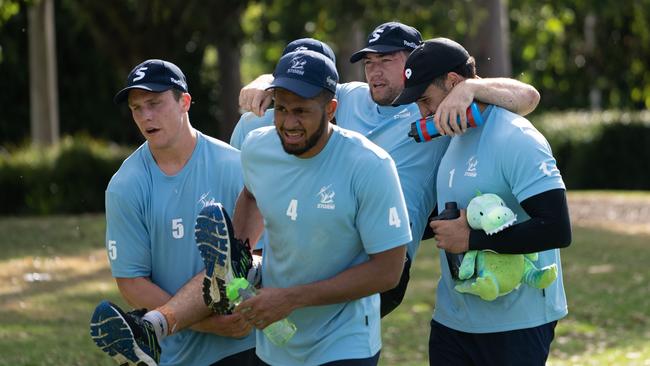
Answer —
99 42
584 53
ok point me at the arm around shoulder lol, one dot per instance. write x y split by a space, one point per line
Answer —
511 94
254 97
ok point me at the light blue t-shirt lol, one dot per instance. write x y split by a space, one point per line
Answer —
388 127
150 221
247 123
506 156
324 215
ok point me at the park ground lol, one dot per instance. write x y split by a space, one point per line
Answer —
53 271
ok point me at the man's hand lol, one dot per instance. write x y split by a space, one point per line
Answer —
254 97
267 307
454 105
452 235
232 325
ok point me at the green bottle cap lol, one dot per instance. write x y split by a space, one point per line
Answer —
232 290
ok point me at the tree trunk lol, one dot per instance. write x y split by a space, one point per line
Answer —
350 38
595 94
230 79
490 41
43 87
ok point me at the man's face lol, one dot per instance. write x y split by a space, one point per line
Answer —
430 100
384 75
159 116
302 124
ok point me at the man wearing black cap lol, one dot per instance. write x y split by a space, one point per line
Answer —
336 220
506 156
366 108
152 202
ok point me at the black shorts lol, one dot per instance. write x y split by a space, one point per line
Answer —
526 347
392 298
370 361
244 358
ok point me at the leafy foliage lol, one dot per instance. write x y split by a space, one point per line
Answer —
68 178
579 53
597 150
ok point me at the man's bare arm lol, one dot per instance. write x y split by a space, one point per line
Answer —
247 221
185 308
380 273
510 94
254 97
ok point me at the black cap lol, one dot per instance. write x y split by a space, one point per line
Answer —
431 59
305 73
390 37
155 76
303 44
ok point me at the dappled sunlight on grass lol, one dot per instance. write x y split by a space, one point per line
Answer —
46 301
54 271
607 282
50 236
23 276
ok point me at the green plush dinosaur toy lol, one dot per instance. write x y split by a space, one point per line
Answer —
497 274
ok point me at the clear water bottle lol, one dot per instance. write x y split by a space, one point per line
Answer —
280 332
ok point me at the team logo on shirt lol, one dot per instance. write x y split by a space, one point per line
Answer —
404 113
326 195
472 162
205 200
547 169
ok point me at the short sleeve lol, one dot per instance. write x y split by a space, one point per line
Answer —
127 239
528 164
382 218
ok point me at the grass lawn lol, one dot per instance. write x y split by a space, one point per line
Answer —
53 270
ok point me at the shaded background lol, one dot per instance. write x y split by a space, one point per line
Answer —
582 55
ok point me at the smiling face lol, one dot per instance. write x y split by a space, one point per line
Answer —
384 75
302 124
161 118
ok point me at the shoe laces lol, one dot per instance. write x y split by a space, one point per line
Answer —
142 329
241 257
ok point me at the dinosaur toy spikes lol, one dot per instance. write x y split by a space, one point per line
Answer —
497 274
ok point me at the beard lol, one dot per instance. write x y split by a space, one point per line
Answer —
311 141
388 96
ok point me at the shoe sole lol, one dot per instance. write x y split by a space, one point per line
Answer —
112 334
212 235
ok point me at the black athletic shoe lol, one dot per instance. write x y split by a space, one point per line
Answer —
126 337
224 256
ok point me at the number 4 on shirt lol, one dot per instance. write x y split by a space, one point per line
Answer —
292 210
393 217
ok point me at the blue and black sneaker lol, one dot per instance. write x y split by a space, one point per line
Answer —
225 257
126 337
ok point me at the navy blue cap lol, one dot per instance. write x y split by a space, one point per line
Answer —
303 44
390 37
155 76
431 59
305 73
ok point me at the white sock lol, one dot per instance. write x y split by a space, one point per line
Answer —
159 322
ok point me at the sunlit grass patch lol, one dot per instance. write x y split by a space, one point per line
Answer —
44 320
